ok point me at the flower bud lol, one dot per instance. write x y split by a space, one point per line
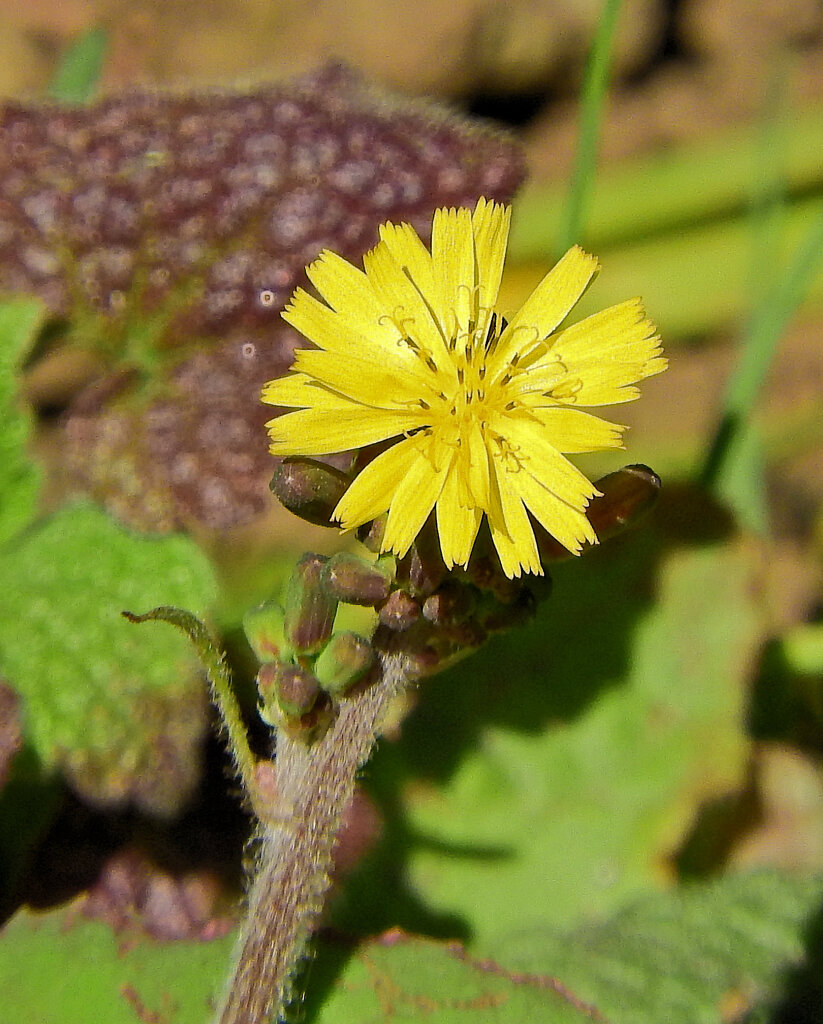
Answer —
355 581
453 602
426 570
370 534
264 629
344 660
627 496
291 700
400 611
310 608
296 690
308 488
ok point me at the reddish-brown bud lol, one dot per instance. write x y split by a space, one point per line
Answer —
453 602
287 689
370 534
309 489
355 581
626 496
310 608
297 690
400 611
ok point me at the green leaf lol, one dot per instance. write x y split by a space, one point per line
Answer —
120 708
79 72
552 777
20 320
401 978
702 955
59 968
690 956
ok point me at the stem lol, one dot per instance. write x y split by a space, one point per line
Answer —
219 678
314 784
592 104
758 348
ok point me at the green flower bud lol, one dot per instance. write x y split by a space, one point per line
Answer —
355 581
264 628
344 660
308 488
310 608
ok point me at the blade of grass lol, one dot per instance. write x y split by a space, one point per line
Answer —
742 485
694 281
681 187
592 104
80 67
758 348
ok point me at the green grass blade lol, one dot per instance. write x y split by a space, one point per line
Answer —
79 71
758 348
595 85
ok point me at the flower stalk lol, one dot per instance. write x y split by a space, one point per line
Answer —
314 784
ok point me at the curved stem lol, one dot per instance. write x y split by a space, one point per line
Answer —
314 784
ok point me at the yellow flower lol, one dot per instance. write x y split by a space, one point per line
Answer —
480 410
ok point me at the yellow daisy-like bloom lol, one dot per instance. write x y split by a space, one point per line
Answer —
410 348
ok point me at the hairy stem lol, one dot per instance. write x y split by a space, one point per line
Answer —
314 784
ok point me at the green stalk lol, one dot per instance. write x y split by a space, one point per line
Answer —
595 85
694 281
683 186
759 345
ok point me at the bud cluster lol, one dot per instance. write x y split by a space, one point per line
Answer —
431 614
306 667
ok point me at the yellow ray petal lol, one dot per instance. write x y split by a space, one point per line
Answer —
296 390
572 431
347 290
412 503
414 259
535 454
547 306
371 492
478 460
603 356
321 431
490 224
404 305
453 260
367 381
457 525
337 333
512 532
562 520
